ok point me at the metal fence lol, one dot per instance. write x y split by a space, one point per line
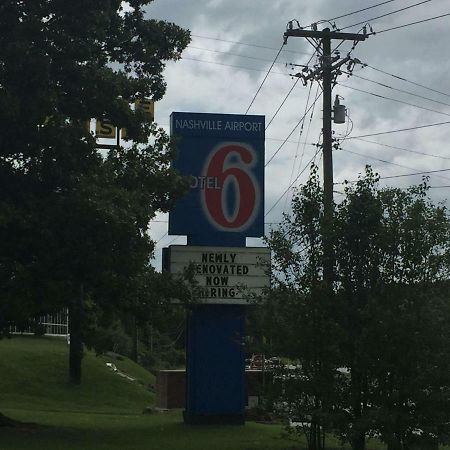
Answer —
56 324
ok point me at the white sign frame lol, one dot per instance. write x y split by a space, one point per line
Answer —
225 275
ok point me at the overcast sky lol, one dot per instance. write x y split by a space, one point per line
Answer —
216 75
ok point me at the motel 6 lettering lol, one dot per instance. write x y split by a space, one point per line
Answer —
224 156
229 192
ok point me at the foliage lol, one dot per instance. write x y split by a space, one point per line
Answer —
74 219
383 322
392 250
299 300
147 326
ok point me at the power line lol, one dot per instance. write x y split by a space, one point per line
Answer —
161 238
385 15
299 137
425 172
399 130
282 140
231 65
396 89
398 77
406 175
409 24
265 78
394 100
404 149
398 165
283 102
173 240
231 54
358 11
166 221
290 134
290 186
247 44
287 95
306 137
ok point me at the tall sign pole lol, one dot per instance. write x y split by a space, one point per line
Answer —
327 157
327 72
224 156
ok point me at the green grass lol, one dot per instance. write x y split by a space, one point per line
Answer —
34 374
129 432
105 412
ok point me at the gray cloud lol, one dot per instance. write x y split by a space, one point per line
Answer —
419 53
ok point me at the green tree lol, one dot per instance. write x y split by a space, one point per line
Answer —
74 219
299 318
392 253
385 320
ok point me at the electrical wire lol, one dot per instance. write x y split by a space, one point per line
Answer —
290 134
394 100
247 44
404 149
385 15
282 140
345 40
356 12
173 240
231 65
401 176
288 94
396 89
398 165
398 77
426 172
298 145
290 186
409 24
306 138
161 238
264 79
283 102
230 54
166 221
399 130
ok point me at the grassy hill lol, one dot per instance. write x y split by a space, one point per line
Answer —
34 374
105 411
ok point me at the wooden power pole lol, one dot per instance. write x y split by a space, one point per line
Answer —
327 72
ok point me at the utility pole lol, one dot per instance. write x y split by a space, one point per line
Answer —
327 71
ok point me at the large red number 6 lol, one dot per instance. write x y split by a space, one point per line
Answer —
216 196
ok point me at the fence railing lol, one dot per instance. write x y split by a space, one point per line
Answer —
56 324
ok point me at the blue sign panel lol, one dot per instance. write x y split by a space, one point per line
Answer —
224 155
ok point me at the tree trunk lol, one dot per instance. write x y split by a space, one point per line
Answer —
5 421
358 436
134 351
316 437
359 442
76 337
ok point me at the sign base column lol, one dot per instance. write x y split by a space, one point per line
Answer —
215 366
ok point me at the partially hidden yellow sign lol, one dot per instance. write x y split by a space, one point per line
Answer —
147 106
105 129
